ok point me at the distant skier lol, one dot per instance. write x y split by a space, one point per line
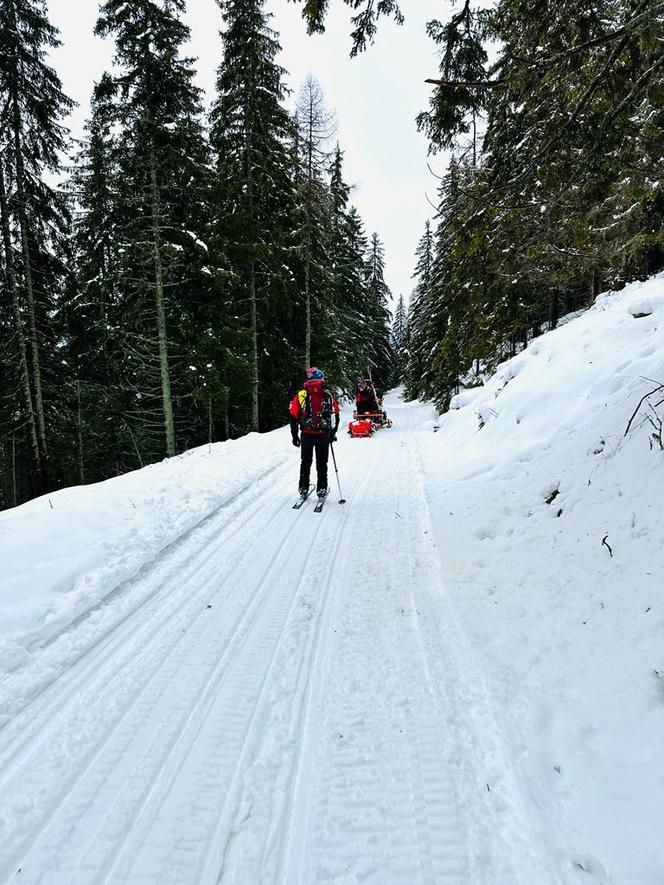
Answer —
314 421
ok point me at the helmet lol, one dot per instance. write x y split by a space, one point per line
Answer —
315 374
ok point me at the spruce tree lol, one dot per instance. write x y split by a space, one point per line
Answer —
421 341
163 200
377 314
254 202
351 343
399 334
348 246
92 311
34 219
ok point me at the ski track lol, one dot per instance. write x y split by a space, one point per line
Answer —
111 642
283 697
91 628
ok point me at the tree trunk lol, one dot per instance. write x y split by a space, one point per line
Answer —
554 308
254 347
79 433
307 302
12 286
167 402
29 289
309 226
474 141
253 304
14 488
4 474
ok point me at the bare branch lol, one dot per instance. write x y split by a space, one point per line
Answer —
640 403
463 84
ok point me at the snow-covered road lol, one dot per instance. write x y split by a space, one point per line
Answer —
282 697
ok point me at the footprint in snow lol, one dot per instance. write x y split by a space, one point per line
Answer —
485 532
593 869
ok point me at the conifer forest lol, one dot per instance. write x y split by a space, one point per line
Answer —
165 281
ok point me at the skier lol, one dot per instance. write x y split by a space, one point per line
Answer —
315 412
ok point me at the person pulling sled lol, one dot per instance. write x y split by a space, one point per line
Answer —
366 402
314 421
369 414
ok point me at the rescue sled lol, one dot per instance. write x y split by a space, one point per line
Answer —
378 419
360 427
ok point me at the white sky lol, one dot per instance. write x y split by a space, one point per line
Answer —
376 98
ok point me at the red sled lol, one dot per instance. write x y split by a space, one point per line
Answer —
361 427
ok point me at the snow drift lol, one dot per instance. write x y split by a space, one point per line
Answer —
549 523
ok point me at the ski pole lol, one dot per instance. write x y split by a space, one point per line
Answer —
342 500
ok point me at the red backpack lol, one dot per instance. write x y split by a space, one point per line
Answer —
316 408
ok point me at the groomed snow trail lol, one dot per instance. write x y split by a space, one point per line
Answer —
284 697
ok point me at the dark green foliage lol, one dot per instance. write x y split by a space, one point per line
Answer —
561 198
254 206
376 315
399 340
34 252
163 219
454 111
364 23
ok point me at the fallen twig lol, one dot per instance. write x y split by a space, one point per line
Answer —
640 403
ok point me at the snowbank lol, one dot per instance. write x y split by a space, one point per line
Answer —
65 552
549 523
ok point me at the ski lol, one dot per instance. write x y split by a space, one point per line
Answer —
302 499
319 506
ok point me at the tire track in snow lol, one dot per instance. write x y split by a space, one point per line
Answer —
158 789
232 858
376 798
507 847
242 715
90 718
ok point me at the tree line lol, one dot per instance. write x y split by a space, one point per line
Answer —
165 281
554 116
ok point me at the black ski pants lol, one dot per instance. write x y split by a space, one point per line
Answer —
366 407
320 443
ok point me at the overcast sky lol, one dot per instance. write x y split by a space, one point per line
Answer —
376 98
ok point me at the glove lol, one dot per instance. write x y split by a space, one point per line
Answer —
333 436
296 442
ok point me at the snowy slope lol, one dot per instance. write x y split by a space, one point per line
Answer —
571 638
62 554
448 680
